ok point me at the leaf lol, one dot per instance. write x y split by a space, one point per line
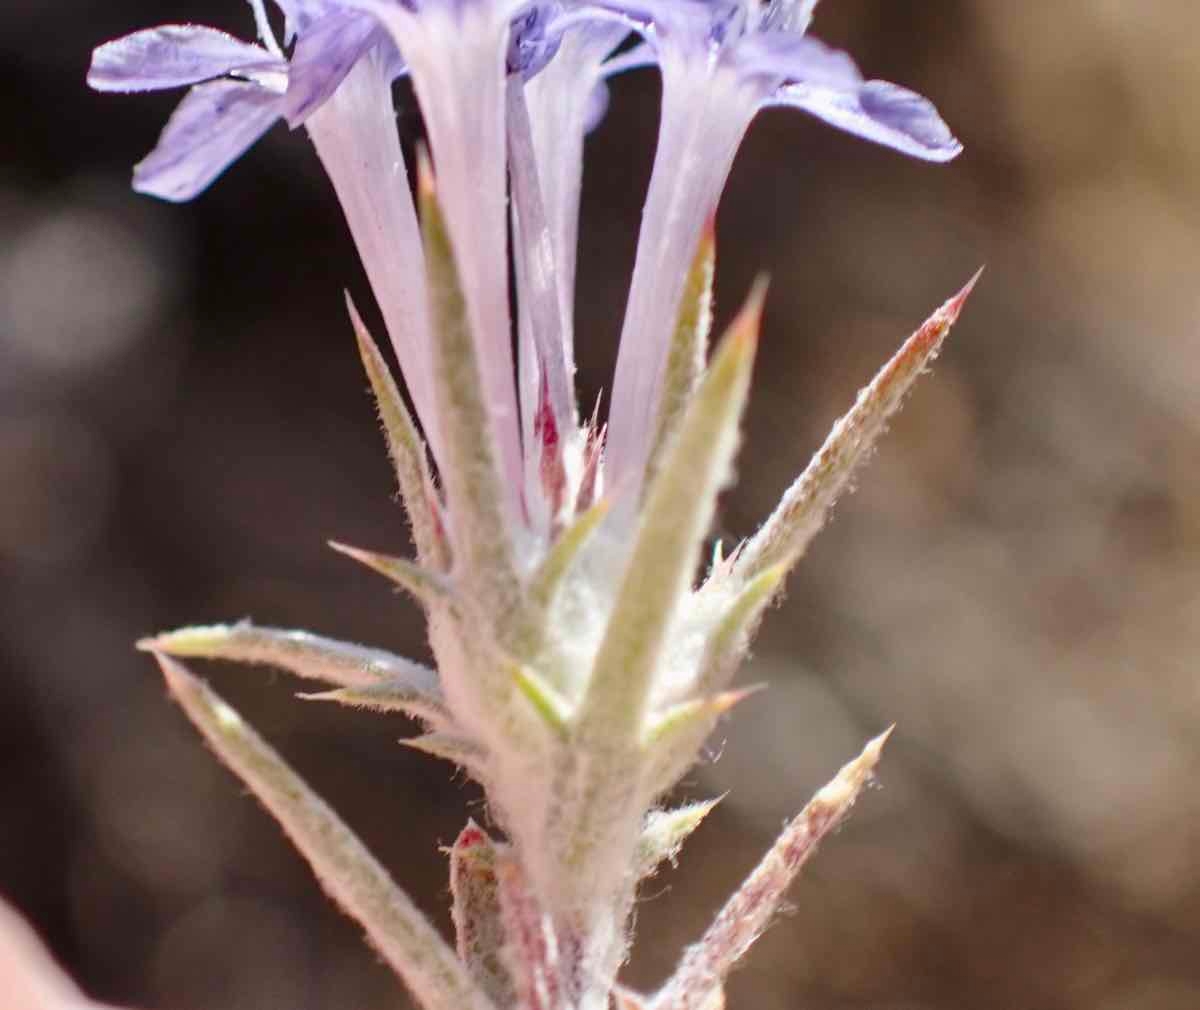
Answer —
685 356
671 531
298 652
674 739
665 831
406 449
730 639
478 929
469 467
785 536
705 965
386 696
596 814
425 586
547 702
544 583
458 750
349 873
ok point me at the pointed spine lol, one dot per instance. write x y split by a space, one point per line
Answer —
300 652
674 740
545 700
427 587
546 579
685 356
346 870
731 638
470 470
665 831
405 447
593 454
460 751
705 966
386 696
478 928
798 518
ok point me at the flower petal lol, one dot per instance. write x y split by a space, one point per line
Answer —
794 58
790 15
457 60
877 110
209 130
298 15
357 141
704 117
174 56
28 973
324 55
640 55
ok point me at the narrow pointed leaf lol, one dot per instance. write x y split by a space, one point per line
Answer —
349 873
478 928
425 586
386 696
798 518
593 453
674 522
665 831
682 719
548 576
674 740
705 965
456 749
470 471
730 639
299 652
405 447
547 702
685 356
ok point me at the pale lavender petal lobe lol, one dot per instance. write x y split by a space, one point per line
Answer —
213 125
878 111
323 56
785 57
174 56
298 15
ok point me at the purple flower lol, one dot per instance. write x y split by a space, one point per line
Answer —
237 94
337 83
508 89
238 89
721 61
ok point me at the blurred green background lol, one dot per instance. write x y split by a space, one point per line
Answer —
1016 583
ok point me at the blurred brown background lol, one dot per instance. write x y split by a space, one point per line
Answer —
1017 583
